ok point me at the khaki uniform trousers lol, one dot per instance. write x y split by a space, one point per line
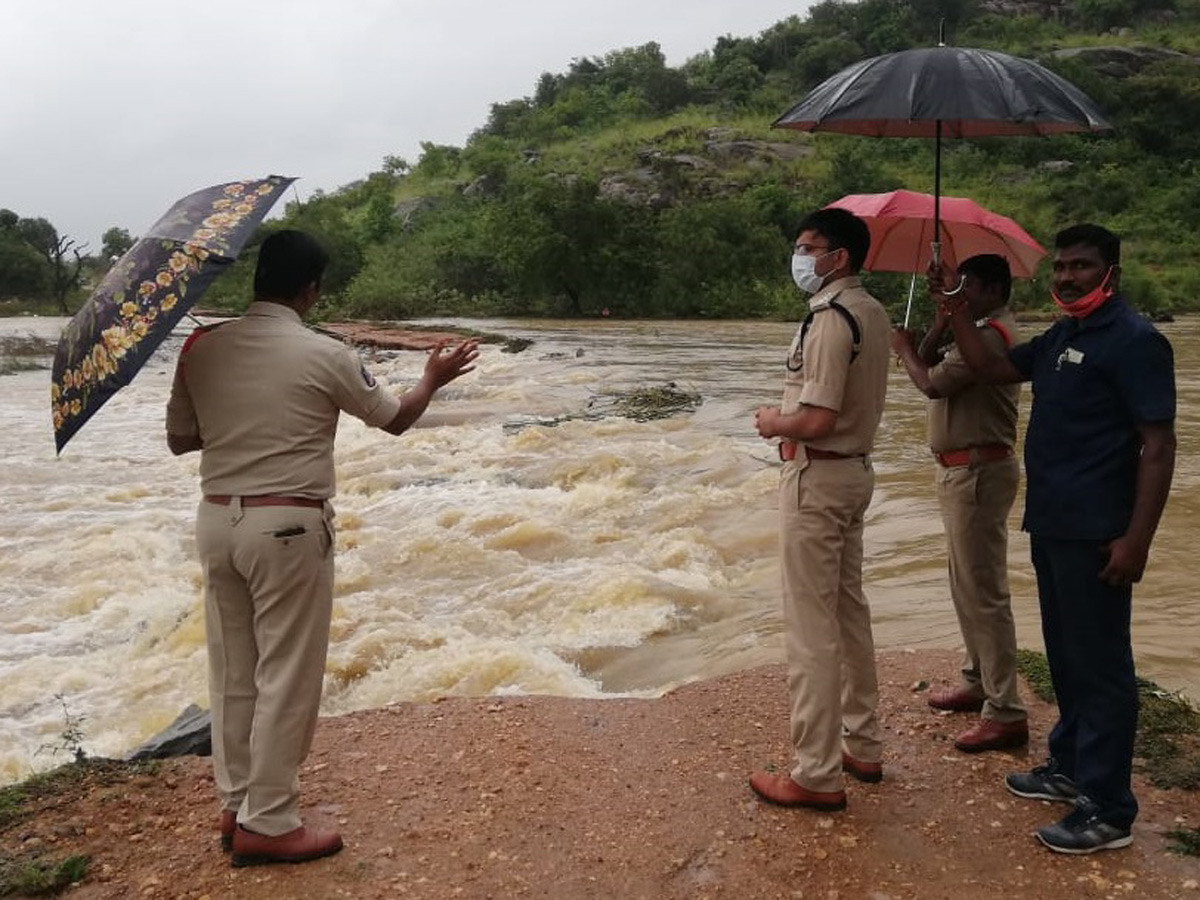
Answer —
975 502
830 650
268 601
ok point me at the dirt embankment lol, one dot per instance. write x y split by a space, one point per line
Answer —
546 797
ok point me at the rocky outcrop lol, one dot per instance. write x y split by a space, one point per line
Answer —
640 187
1043 9
483 186
1122 62
189 735
757 152
661 177
658 160
406 212
566 179
1056 166
1064 11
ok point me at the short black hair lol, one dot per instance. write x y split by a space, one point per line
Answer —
1096 236
288 262
844 231
991 269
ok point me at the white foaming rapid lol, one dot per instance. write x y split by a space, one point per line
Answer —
513 543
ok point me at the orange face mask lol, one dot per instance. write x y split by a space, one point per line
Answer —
1089 302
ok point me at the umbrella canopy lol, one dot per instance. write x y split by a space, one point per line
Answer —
147 292
901 224
945 92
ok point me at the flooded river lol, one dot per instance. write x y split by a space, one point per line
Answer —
519 541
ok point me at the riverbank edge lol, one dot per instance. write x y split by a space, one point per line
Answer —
464 789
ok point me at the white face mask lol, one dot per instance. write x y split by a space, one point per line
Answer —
804 272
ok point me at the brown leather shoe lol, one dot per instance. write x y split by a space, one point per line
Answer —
783 791
295 846
867 772
228 826
955 700
992 735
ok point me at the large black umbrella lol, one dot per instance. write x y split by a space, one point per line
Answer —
945 92
147 292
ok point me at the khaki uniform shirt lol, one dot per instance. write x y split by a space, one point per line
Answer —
820 373
969 413
263 393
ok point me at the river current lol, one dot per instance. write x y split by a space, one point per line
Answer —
519 540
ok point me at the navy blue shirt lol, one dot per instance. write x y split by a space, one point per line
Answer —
1094 381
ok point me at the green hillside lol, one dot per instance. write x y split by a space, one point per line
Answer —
648 190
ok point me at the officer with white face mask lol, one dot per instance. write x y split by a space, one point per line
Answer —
835 382
804 268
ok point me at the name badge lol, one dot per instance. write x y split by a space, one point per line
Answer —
1069 355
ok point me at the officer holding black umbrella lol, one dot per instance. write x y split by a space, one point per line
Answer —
1099 458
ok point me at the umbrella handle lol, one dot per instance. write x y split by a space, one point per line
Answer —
935 255
912 286
962 283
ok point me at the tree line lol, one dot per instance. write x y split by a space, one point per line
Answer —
39 266
628 185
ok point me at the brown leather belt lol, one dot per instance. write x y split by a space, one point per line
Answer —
970 455
788 450
266 500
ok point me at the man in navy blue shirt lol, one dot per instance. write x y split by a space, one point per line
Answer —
1099 456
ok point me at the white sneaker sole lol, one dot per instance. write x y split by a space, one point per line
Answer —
1053 798
1114 844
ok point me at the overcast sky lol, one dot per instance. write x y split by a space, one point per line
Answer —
111 111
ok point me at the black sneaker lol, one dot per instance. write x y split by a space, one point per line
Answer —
1043 783
1083 831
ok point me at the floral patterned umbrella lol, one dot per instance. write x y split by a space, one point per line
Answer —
147 292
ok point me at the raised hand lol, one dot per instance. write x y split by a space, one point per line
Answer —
444 365
937 277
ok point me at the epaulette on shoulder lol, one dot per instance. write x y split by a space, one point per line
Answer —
831 303
203 329
999 328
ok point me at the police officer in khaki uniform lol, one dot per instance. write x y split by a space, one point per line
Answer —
260 398
972 429
834 389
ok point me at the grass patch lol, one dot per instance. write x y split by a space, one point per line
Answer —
1184 841
28 872
1168 738
644 404
22 800
1034 668
641 405
35 877
12 802
17 800
516 345
1168 735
